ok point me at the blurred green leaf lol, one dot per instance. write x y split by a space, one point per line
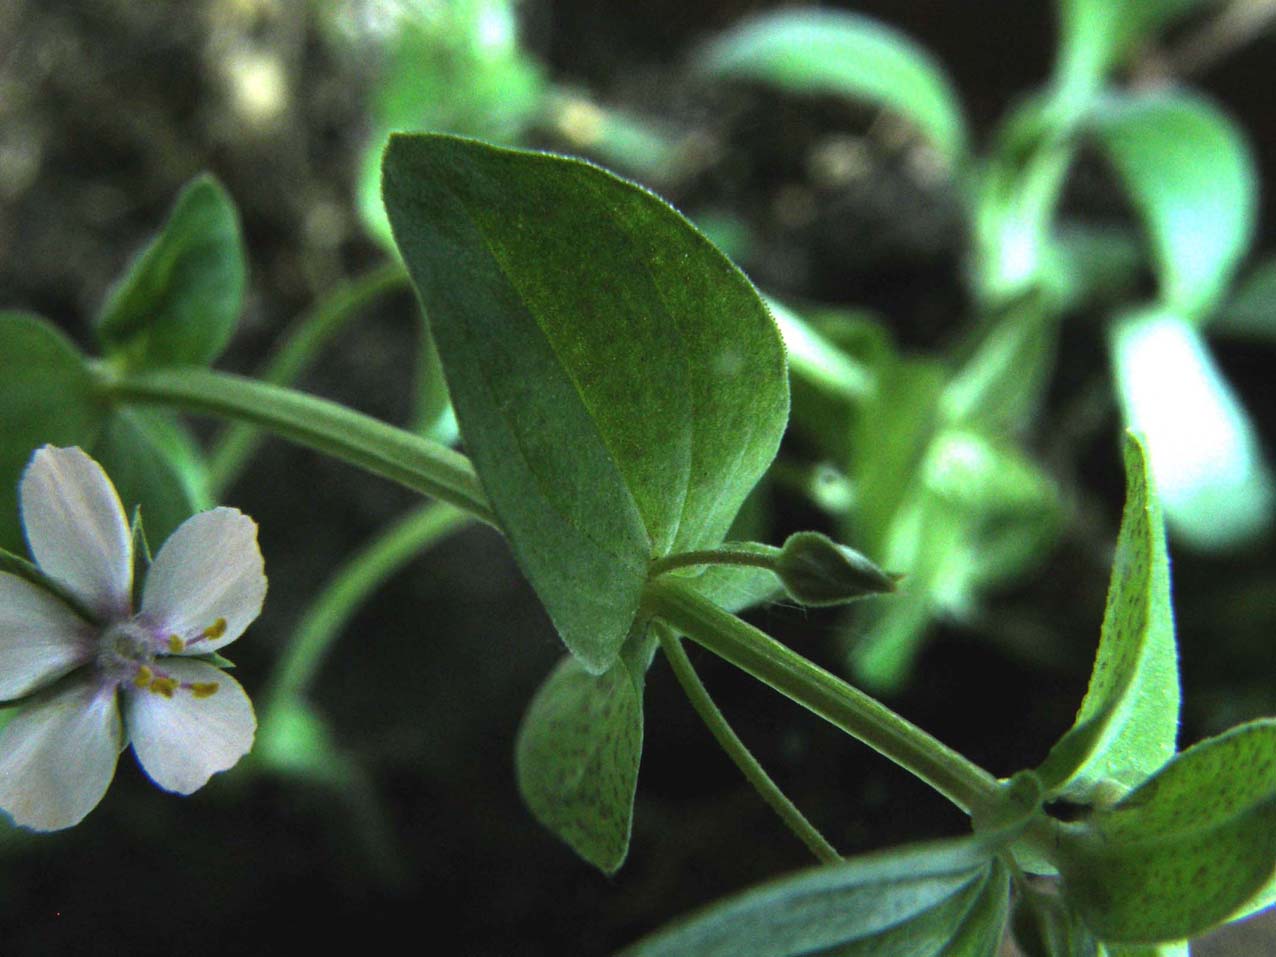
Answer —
810 51
153 463
47 396
1180 949
1044 926
577 758
1192 179
1183 851
1204 451
180 299
1127 725
1091 265
619 384
1251 312
939 900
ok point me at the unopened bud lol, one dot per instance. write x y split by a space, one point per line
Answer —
816 570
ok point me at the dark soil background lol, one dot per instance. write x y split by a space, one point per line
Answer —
107 107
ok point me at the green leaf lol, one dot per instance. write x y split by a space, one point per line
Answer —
618 383
1251 312
1045 926
179 301
1127 725
1096 35
1186 849
1204 451
849 55
577 757
1192 179
153 463
1180 949
47 395
942 899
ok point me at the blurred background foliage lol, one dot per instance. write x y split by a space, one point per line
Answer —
992 237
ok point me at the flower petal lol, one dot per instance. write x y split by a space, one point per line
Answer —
183 739
76 528
41 639
208 579
58 754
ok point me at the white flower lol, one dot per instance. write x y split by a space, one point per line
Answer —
92 688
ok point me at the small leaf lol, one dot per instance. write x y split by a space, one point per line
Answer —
1186 849
179 301
943 899
577 757
618 383
849 55
48 396
817 571
1127 725
1192 178
1202 446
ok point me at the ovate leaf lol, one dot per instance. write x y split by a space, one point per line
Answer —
841 53
943 899
1186 849
618 383
179 301
46 396
1192 178
1202 446
1127 725
577 757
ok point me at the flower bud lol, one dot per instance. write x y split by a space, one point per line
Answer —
816 570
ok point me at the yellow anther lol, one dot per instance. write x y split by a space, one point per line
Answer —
216 629
143 677
204 689
164 686
175 644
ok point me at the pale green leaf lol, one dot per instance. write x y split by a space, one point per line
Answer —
577 757
618 383
1191 177
1127 725
179 301
841 53
1186 849
942 899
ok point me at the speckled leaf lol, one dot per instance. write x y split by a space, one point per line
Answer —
1186 849
810 51
179 301
1127 725
618 383
577 757
939 900
46 396
1192 178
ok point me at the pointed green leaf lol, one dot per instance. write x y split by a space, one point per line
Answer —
1192 179
844 54
618 383
1127 725
942 899
179 301
1203 449
577 757
1186 849
46 396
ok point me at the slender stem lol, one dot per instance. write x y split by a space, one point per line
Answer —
420 464
19 567
758 556
303 339
862 717
359 577
736 749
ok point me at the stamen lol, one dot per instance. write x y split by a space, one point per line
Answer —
164 686
216 629
144 676
175 644
203 689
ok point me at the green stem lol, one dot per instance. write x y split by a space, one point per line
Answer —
21 568
418 463
360 575
862 717
761 556
303 339
736 749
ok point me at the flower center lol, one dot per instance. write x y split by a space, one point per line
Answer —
127 652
